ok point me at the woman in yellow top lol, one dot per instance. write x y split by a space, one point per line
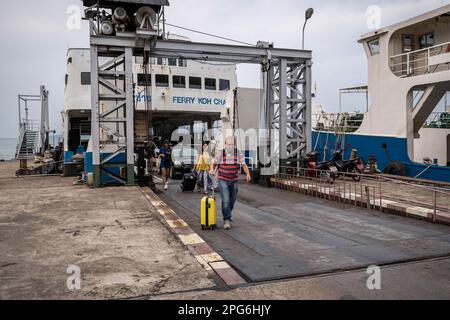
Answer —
202 167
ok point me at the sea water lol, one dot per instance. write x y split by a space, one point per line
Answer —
7 148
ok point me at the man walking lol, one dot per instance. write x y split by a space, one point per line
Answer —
229 162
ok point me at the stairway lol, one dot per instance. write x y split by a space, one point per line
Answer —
26 145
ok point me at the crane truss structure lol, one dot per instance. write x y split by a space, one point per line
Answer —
287 108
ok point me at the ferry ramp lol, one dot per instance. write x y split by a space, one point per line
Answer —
281 235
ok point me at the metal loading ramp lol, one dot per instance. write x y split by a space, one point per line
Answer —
279 234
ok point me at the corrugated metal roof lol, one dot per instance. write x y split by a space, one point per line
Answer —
88 3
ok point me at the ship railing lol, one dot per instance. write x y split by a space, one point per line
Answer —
421 61
420 198
27 125
30 125
19 141
337 122
438 120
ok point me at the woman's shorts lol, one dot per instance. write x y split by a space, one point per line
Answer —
165 165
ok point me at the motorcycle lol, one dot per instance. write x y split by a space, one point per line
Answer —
348 168
324 170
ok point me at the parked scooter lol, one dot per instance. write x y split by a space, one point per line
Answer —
324 170
348 168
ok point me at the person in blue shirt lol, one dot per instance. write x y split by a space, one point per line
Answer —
165 154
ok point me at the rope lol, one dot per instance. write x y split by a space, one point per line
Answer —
210 35
426 169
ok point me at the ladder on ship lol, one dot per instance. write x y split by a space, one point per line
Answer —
27 143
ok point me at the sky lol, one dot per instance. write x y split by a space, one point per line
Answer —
35 37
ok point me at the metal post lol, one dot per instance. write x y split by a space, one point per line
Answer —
434 205
367 100
381 199
95 117
270 112
129 115
26 112
164 23
303 35
367 197
45 128
41 144
345 193
283 111
20 115
307 130
47 119
407 64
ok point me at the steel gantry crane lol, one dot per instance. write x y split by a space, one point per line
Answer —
115 39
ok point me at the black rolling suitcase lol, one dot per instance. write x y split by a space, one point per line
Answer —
189 181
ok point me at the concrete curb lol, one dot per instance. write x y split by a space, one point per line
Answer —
352 198
210 260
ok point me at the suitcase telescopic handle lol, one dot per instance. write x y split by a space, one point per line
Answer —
207 212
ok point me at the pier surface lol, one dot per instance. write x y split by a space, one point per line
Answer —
285 245
113 235
281 235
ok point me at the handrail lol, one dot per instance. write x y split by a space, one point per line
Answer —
438 120
303 172
32 125
339 122
19 142
417 60
419 50
374 184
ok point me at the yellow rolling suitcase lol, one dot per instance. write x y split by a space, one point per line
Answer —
208 213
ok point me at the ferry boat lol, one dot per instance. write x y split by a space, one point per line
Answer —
408 76
184 97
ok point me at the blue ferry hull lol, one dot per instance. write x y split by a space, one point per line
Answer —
385 149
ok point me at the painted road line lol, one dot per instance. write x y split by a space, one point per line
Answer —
210 260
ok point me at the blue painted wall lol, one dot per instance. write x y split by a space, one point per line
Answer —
396 150
88 162
68 156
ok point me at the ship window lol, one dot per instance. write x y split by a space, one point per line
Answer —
224 85
162 80
144 79
139 60
67 79
172 62
179 82
161 61
195 82
210 84
85 78
426 40
182 62
374 46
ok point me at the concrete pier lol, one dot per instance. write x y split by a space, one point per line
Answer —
125 250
